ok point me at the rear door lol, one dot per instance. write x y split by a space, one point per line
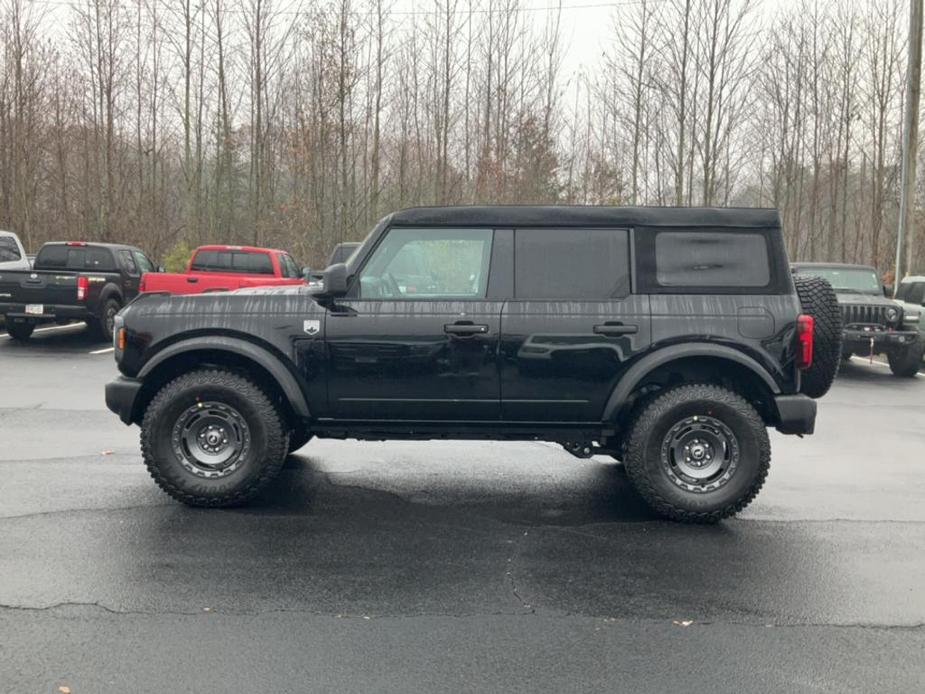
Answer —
418 339
572 326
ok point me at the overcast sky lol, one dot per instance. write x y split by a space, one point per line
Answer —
587 25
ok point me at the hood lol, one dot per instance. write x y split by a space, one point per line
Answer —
863 299
272 290
256 301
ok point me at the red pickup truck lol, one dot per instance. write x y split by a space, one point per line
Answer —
224 268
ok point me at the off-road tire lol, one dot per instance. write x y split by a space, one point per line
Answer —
819 301
644 465
102 325
260 464
906 364
21 332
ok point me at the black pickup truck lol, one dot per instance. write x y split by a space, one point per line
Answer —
72 281
669 339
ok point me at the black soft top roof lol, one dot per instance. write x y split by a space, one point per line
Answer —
586 216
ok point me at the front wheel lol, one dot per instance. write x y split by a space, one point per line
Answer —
697 453
213 438
906 364
20 332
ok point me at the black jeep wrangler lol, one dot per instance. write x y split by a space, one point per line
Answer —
667 338
873 323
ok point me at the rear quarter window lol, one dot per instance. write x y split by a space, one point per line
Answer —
704 261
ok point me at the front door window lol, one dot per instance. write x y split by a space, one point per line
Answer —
450 264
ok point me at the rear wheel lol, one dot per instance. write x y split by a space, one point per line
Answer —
819 301
907 363
104 324
19 331
213 438
697 453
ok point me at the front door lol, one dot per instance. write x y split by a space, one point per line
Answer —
572 326
419 340
131 277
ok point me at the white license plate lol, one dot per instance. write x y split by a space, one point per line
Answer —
35 309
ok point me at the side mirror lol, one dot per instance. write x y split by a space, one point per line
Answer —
888 291
333 282
306 272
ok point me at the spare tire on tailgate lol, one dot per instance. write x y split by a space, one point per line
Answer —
819 301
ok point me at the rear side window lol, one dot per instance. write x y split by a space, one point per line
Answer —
705 261
75 258
233 261
571 263
128 263
8 249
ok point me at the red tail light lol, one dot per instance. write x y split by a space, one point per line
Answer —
83 285
805 329
141 284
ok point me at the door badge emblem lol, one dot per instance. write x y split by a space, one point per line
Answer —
311 327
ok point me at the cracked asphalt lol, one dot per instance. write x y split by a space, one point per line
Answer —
452 566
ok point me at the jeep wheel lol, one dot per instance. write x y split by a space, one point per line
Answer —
104 324
819 301
907 363
697 453
212 438
20 332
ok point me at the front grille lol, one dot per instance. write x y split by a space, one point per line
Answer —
863 314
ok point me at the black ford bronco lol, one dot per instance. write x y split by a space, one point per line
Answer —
873 323
667 338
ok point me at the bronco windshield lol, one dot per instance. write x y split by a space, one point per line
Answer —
858 280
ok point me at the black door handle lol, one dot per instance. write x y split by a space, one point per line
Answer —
192 280
465 329
616 328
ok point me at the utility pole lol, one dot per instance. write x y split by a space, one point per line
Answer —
910 142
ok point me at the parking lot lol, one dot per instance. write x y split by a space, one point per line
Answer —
460 566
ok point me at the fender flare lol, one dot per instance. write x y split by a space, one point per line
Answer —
636 373
241 347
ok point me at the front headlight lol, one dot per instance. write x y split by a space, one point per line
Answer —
892 314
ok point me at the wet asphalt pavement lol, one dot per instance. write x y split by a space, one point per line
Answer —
457 566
